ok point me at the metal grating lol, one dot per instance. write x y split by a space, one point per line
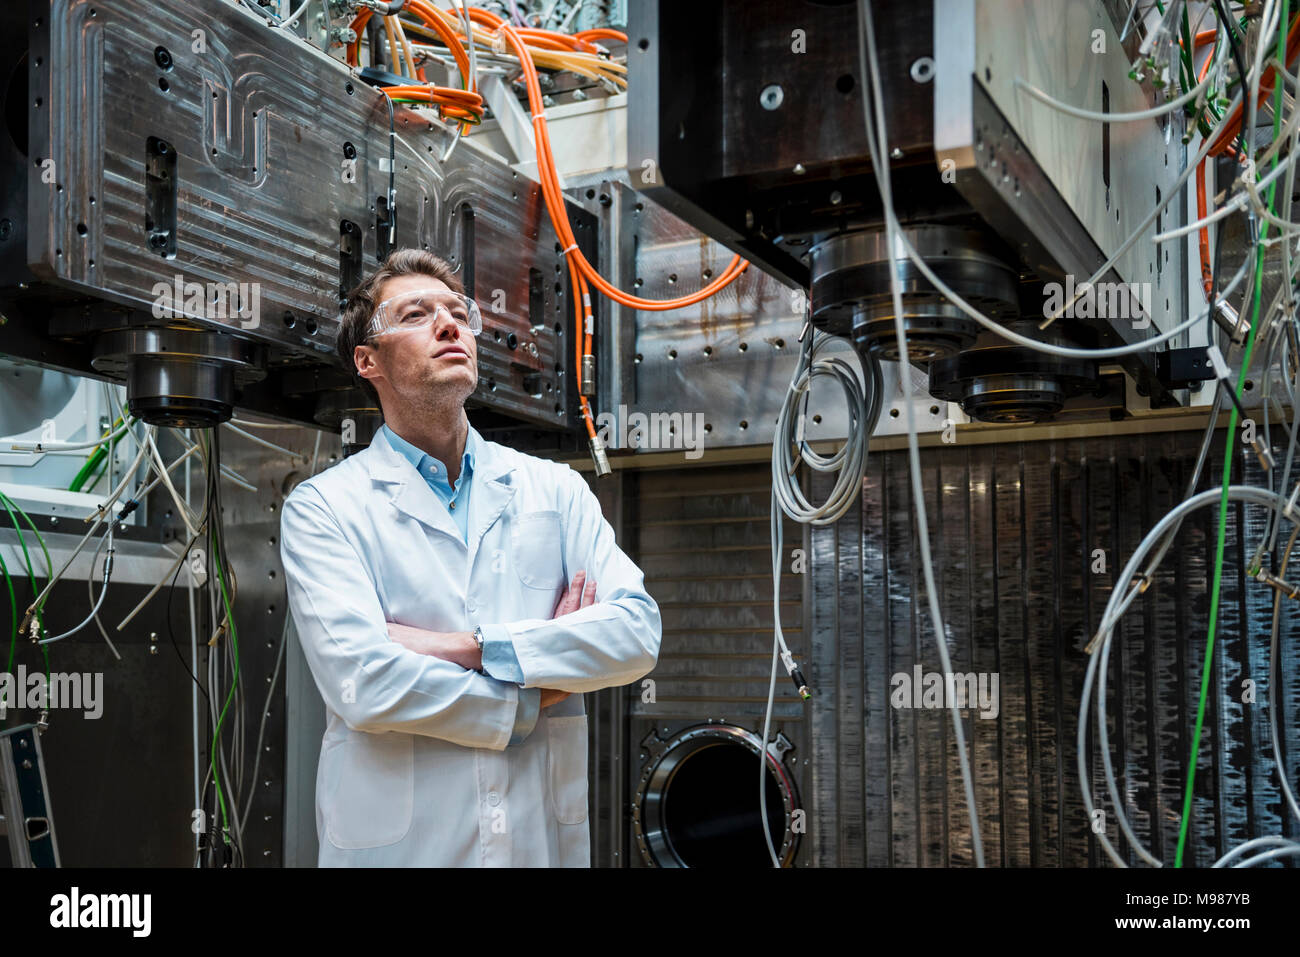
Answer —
1013 531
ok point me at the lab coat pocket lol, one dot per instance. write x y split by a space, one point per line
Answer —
537 548
374 799
568 746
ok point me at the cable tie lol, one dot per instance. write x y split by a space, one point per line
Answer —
569 250
1220 365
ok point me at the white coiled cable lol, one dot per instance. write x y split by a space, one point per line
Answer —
789 449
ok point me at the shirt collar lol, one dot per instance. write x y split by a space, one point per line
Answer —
422 459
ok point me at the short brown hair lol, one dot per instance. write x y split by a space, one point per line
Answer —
363 300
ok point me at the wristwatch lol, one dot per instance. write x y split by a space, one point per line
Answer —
478 640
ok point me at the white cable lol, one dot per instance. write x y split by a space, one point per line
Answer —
263 425
1237 202
155 464
1114 352
98 517
293 18
263 442
226 470
1293 851
879 146
62 446
1250 845
108 571
1098 661
1174 190
1083 114
849 461
1047 347
165 474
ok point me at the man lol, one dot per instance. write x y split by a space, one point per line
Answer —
427 578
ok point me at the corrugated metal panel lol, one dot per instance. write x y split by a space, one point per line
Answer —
705 548
1014 534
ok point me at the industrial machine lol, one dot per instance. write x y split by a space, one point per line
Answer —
1038 248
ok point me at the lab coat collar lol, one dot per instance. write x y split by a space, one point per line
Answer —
411 495
418 457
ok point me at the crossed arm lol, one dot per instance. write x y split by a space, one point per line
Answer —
375 681
460 648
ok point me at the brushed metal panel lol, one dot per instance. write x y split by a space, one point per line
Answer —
261 123
1052 49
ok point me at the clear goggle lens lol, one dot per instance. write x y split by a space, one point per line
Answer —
411 310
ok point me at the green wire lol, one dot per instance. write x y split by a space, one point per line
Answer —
97 456
99 474
9 506
234 644
13 613
92 460
1227 467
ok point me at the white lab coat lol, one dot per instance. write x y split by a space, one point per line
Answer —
414 766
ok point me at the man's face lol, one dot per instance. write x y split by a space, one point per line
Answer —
439 359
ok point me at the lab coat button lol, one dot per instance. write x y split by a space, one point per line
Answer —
494 798
471 605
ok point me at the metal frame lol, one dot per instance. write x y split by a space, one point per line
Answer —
25 798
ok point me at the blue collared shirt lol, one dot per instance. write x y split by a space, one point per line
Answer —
499 658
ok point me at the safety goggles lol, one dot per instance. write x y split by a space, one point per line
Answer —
419 307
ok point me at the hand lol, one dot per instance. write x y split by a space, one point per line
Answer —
576 596
550 696
580 594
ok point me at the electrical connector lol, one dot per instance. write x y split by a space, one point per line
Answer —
598 456
1285 587
1264 454
800 683
383 8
